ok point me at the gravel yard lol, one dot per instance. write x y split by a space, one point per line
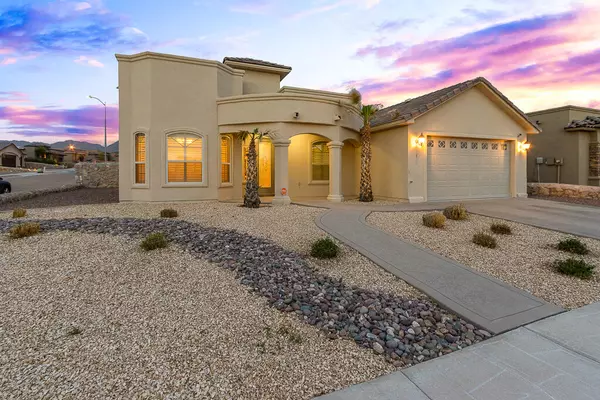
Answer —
521 259
92 317
291 227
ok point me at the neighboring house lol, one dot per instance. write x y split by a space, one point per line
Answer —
569 149
50 154
12 156
179 117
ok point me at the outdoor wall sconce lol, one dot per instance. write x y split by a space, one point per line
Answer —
524 146
421 140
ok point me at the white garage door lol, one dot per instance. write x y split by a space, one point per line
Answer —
467 168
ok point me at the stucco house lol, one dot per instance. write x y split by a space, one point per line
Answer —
569 150
179 117
12 156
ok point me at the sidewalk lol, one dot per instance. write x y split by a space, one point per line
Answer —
556 358
479 298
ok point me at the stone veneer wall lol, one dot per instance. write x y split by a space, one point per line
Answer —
105 175
563 190
594 160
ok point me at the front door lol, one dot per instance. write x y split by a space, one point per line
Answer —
266 165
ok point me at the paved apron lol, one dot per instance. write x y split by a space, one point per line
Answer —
557 358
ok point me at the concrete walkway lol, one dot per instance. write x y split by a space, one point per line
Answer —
479 298
557 358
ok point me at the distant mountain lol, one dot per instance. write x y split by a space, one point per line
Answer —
63 144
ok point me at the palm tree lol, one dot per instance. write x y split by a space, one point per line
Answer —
367 112
251 197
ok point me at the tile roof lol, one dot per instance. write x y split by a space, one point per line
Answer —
255 62
588 122
413 108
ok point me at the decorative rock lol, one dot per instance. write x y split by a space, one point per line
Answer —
378 348
483 333
364 310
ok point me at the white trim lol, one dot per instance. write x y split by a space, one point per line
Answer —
230 182
204 160
310 162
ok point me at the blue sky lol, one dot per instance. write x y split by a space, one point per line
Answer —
53 54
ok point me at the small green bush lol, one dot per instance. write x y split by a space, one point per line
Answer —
434 220
573 245
324 248
154 241
19 212
168 213
24 230
574 267
484 240
500 228
456 212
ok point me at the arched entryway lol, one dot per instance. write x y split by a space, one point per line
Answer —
308 166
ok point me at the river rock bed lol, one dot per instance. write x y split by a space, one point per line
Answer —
405 331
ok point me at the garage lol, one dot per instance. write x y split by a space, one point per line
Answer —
460 168
9 160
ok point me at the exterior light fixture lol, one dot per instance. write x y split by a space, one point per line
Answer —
421 139
526 145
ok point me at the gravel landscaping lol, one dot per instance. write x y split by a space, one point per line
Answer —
522 259
96 318
403 330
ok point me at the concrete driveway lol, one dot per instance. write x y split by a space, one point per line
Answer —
27 181
564 217
569 218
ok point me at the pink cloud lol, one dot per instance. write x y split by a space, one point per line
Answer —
83 123
594 104
550 52
13 97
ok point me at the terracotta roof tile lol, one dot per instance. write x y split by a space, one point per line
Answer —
412 108
588 122
255 62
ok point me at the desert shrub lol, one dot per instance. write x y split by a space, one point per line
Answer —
434 220
168 213
324 248
19 212
484 240
573 245
500 228
24 230
456 212
574 267
154 241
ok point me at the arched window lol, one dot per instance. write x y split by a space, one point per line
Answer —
184 158
225 159
140 158
320 161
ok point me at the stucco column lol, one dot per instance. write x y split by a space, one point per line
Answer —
281 172
335 171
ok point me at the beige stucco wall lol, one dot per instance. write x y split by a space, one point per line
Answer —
160 94
400 165
389 163
260 82
157 96
13 150
556 142
299 172
350 169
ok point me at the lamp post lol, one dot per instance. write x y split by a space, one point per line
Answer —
105 147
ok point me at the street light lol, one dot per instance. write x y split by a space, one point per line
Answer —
105 147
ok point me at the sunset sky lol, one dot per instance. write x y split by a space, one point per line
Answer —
540 53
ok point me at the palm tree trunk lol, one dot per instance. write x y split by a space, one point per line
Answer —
251 198
366 191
